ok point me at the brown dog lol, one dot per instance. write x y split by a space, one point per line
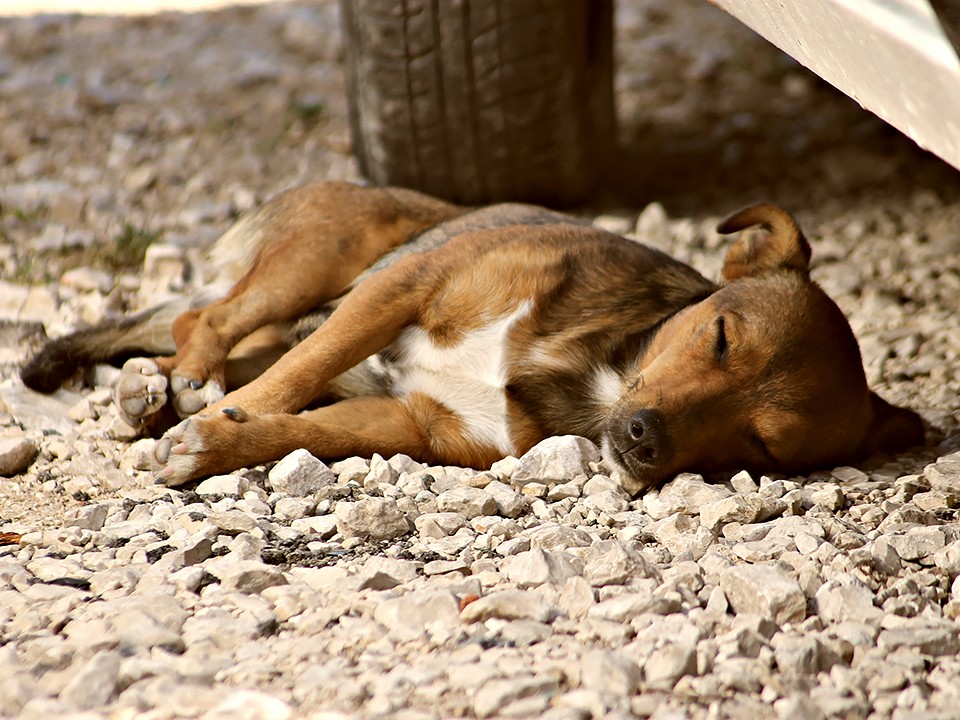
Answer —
458 337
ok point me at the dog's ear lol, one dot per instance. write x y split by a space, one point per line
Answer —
892 429
770 240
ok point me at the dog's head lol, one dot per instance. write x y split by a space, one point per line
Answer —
765 374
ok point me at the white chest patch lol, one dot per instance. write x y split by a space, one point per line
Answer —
468 379
607 387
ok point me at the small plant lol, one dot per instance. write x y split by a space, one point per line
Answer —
23 272
28 214
129 246
308 111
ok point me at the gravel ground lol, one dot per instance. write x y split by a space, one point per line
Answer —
382 588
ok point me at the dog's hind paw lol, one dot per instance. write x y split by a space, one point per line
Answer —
141 391
190 396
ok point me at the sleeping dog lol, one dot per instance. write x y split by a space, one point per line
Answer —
366 320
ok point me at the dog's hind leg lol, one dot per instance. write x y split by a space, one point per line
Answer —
140 394
312 243
141 391
368 319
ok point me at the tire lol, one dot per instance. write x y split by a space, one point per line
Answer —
477 101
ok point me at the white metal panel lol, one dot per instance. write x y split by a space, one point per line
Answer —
891 56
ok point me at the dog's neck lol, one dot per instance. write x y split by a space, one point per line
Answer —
570 383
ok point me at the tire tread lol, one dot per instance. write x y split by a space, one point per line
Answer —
479 100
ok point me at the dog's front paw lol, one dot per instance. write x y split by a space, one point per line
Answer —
178 453
141 391
191 395
202 445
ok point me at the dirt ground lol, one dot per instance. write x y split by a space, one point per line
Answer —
121 134
117 133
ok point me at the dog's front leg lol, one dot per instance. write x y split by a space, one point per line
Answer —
370 318
366 321
415 425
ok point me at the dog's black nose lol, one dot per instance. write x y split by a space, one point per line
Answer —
647 429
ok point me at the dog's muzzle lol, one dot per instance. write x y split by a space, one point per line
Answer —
647 430
638 444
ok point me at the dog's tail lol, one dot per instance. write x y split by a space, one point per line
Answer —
147 333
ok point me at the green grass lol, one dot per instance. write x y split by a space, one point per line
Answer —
129 247
307 112
28 214
123 252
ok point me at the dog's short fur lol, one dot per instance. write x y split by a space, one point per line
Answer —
408 325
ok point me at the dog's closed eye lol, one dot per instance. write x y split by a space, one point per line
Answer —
720 345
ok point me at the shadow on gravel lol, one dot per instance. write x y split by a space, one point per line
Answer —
692 174
713 116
